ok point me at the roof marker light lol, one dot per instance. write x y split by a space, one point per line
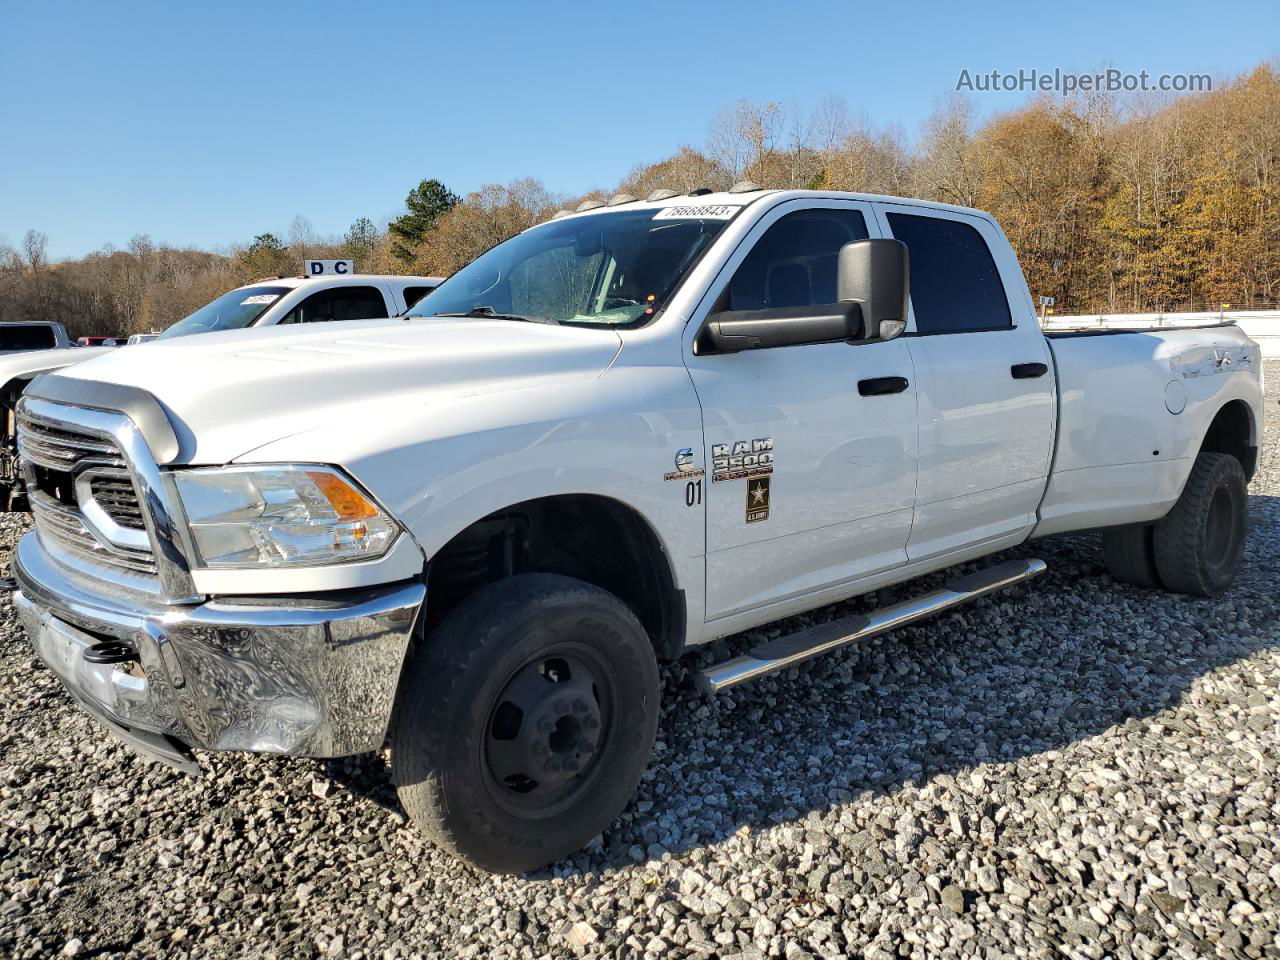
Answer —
745 186
661 195
589 205
618 199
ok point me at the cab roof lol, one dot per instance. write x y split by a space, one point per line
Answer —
744 194
347 280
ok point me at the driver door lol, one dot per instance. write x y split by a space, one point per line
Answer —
810 461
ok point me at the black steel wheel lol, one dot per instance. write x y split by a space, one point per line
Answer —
547 730
524 721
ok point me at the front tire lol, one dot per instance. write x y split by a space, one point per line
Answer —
525 721
1199 544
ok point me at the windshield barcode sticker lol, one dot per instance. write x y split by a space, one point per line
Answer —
708 211
261 298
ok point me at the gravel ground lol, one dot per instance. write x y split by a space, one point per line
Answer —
1073 768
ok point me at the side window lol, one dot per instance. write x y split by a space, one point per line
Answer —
955 286
341 303
358 303
794 263
413 294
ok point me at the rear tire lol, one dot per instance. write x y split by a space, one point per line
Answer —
1200 542
525 721
1130 554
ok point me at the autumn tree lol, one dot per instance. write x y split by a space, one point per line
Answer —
687 170
482 220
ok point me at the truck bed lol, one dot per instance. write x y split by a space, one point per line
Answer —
1133 406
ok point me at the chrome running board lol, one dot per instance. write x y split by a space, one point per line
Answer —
792 649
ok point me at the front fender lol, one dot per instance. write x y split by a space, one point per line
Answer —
439 469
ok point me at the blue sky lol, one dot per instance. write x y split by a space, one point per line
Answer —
205 123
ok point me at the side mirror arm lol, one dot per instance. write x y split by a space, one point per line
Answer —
732 331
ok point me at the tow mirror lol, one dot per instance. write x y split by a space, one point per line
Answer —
875 275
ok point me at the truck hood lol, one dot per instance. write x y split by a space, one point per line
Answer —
229 393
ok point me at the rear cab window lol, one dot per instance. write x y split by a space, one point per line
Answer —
27 336
955 284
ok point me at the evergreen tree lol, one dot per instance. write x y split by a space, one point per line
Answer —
360 241
427 202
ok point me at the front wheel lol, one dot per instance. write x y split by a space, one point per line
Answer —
525 721
1199 544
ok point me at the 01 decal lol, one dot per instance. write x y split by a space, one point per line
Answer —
758 499
741 459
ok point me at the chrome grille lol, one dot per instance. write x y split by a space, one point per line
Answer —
113 491
55 455
57 448
63 525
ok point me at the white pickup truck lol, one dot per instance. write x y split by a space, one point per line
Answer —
635 428
265 303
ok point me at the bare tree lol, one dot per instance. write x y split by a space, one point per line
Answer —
302 237
948 168
745 136
36 247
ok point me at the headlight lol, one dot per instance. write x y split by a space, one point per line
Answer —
281 516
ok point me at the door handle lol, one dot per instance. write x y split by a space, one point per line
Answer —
881 386
1028 371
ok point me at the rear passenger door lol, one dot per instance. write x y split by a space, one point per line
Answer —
985 383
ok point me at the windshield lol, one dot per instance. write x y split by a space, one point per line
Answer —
605 269
231 311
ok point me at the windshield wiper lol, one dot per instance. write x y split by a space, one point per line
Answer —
488 313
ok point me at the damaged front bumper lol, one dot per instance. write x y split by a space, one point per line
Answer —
306 676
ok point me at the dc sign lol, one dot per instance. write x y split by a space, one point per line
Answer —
329 268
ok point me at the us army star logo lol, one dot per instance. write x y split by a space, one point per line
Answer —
758 499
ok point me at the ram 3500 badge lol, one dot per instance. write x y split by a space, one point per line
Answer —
476 529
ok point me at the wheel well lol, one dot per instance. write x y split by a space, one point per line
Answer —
592 538
1232 432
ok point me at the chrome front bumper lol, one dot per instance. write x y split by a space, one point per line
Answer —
303 676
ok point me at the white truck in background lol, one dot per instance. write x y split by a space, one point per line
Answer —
263 303
27 337
636 428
